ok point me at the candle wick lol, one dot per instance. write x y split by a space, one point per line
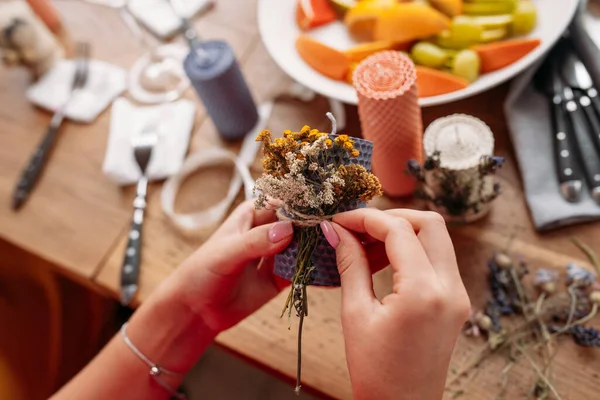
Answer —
457 137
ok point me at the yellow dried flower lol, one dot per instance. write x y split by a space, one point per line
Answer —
288 134
305 143
359 183
315 134
305 129
354 153
280 142
328 143
341 139
264 136
348 146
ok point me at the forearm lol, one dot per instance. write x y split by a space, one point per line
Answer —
165 331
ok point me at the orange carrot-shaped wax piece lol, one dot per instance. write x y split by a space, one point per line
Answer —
313 13
497 55
433 82
324 59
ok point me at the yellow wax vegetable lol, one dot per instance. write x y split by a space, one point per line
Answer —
429 55
451 8
494 8
493 21
465 29
445 40
493 35
524 18
361 19
466 64
408 21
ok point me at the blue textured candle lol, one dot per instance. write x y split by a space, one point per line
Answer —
218 80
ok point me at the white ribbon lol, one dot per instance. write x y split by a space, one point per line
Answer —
208 158
217 156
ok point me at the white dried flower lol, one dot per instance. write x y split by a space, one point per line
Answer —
336 180
579 276
313 149
313 166
544 276
326 195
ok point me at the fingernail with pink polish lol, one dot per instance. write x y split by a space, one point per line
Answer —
330 234
281 230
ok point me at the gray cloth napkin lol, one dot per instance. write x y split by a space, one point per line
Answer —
530 126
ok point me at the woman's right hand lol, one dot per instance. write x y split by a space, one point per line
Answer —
400 347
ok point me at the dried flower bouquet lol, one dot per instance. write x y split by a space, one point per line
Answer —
309 176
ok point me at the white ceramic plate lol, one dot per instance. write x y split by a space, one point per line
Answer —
276 20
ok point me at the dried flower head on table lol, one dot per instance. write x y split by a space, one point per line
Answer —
309 176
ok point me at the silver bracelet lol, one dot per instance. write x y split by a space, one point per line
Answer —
155 370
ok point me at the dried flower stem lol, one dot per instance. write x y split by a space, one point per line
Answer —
582 320
538 304
589 253
504 381
537 369
483 354
573 307
299 364
542 324
308 238
523 299
512 337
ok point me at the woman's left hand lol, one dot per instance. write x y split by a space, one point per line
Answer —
224 281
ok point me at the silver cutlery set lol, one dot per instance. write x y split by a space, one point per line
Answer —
575 109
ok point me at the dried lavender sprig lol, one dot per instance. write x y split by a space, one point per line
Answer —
586 337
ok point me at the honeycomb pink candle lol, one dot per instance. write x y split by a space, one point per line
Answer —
390 117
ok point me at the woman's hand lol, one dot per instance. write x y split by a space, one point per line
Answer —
399 347
224 281
216 287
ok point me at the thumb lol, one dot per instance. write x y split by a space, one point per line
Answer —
261 241
353 266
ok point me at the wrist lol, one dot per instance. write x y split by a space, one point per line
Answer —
168 332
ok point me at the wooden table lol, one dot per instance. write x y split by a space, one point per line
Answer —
77 219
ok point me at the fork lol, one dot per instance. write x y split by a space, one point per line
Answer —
143 144
37 162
